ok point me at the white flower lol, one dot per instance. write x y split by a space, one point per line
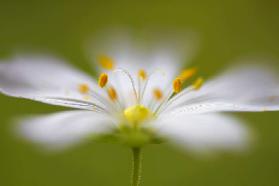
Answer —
138 103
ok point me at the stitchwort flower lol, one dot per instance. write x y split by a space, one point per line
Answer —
138 103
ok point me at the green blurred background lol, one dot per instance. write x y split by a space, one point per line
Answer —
227 30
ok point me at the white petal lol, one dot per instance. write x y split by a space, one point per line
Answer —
204 132
63 129
249 88
131 54
47 80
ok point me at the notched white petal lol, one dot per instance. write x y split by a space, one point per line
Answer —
204 132
64 129
47 80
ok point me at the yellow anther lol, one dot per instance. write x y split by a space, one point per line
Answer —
103 79
83 88
187 74
177 85
137 114
142 74
112 93
198 83
158 94
106 62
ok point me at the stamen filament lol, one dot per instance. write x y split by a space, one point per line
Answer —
165 101
142 77
141 93
132 82
100 99
79 103
168 102
147 81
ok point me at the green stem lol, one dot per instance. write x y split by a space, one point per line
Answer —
136 169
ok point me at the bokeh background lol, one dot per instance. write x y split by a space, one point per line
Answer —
227 30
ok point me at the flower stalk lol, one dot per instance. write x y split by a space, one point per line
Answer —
136 166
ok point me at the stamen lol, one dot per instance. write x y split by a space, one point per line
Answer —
177 85
131 80
142 74
198 83
106 62
112 93
158 94
83 88
103 79
187 74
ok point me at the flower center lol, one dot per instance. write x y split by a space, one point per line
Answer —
137 114
140 84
